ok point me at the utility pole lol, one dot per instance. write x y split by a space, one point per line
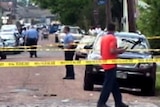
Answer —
95 13
131 15
108 12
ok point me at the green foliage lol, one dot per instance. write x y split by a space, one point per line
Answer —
149 21
78 12
22 3
70 11
158 83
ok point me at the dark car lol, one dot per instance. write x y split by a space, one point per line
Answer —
138 76
2 53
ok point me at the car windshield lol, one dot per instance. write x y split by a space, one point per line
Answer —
8 28
125 41
8 36
87 39
74 30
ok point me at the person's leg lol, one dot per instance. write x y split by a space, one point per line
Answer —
29 44
66 58
116 92
32 42
69 68
107 88
35 47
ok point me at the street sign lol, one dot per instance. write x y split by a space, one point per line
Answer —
102 2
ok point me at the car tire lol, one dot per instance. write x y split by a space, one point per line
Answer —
88 81
76 57
56 39
149 88
3 56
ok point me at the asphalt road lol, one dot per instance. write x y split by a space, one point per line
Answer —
44 86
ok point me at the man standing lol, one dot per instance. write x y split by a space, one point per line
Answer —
109 50
68 44
31 39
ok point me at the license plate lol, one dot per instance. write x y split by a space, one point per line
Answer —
121 75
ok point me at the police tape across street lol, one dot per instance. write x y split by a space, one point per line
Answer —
59 49
57 44
75 62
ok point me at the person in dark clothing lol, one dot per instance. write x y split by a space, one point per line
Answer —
109 50
31 39
68 44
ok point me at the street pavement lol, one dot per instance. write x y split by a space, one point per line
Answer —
44 86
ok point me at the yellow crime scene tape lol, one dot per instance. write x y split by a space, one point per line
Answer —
60 49
154 37
58 44
75 62
48 46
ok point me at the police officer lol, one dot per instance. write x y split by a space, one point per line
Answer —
68 44
31 39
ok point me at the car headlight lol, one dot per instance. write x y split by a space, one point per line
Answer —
145 65
61 40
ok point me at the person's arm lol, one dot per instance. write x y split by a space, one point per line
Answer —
27 33
114 49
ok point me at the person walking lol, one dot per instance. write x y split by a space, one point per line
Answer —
109 51
31 39
68 44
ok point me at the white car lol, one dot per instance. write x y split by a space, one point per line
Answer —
9 28
74 30
11 40
80 52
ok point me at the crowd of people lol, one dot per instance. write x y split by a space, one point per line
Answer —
94 30
108 50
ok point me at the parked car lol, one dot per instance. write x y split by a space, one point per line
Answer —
45 33
2 53
9 28
54 28
11 40
20 39
140 76
80 51
74 30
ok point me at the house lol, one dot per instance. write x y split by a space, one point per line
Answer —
33 14
8 8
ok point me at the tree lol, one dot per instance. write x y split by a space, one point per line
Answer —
78 12
149 21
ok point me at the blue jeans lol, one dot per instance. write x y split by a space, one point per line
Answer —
110 85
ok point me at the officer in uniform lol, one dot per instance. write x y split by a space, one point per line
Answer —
31 39
68 44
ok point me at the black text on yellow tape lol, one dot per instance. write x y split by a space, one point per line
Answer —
75 62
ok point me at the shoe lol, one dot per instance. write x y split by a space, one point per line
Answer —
103 105
31 56
69 78
122 105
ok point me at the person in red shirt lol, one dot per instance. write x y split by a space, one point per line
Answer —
109 50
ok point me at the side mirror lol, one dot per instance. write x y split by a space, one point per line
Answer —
4 40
